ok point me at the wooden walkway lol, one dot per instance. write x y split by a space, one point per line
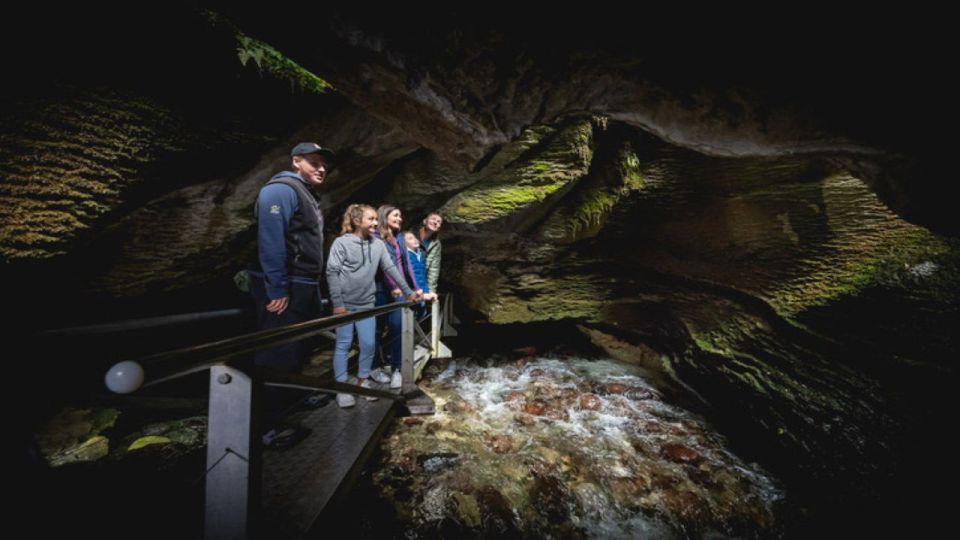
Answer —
299 482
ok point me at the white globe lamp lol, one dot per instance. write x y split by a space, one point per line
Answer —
124 377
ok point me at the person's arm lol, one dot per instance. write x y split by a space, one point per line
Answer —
433 266
275 207
334 264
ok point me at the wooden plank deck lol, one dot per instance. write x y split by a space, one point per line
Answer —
299 482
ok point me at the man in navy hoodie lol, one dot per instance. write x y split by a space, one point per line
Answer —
286 288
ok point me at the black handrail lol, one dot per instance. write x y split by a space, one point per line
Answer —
178 362
139 324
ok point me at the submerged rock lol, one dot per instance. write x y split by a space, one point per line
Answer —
501 444
535 408
457 407
466 509
590 402
497 516
616 388
681 454
524 419
514 396
434 463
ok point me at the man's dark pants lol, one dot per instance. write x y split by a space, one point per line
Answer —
304 305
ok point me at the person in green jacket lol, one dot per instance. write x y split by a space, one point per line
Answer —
430 242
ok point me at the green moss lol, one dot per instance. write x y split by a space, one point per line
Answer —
586 209
92 449
188 433
545 160
75 435
880 256
707 345
102 419
540 167
728 335
498 202
147 441
544 298
66 164
271 61
467 509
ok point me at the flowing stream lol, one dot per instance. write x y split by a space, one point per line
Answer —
564 447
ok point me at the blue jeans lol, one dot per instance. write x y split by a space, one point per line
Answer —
393 322
366 336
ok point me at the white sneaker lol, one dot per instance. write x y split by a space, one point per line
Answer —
365 383
397 380
379 376
345 400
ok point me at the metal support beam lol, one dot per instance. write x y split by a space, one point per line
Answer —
449 319
416 401
233 462
435 328
407 343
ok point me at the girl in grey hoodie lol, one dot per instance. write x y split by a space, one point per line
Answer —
351 270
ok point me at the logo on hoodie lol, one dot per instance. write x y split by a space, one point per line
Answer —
275 209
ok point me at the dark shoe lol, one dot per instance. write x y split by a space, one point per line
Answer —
281 438
314 401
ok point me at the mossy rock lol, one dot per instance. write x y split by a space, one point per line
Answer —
70 435
562 156
92 449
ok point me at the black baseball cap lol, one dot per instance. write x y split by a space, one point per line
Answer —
312 148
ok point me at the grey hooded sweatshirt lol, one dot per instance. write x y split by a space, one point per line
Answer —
352 269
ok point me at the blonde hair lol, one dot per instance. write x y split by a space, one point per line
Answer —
352 217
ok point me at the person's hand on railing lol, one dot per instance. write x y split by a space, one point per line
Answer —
416 296
339 310
396 293
429 297
278 305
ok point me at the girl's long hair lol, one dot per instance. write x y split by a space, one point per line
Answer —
352 217
386 233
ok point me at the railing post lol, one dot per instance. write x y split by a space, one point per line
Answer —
233 472
407 349
448 317
435 328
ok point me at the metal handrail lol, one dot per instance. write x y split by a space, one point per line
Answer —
140 324
169 365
